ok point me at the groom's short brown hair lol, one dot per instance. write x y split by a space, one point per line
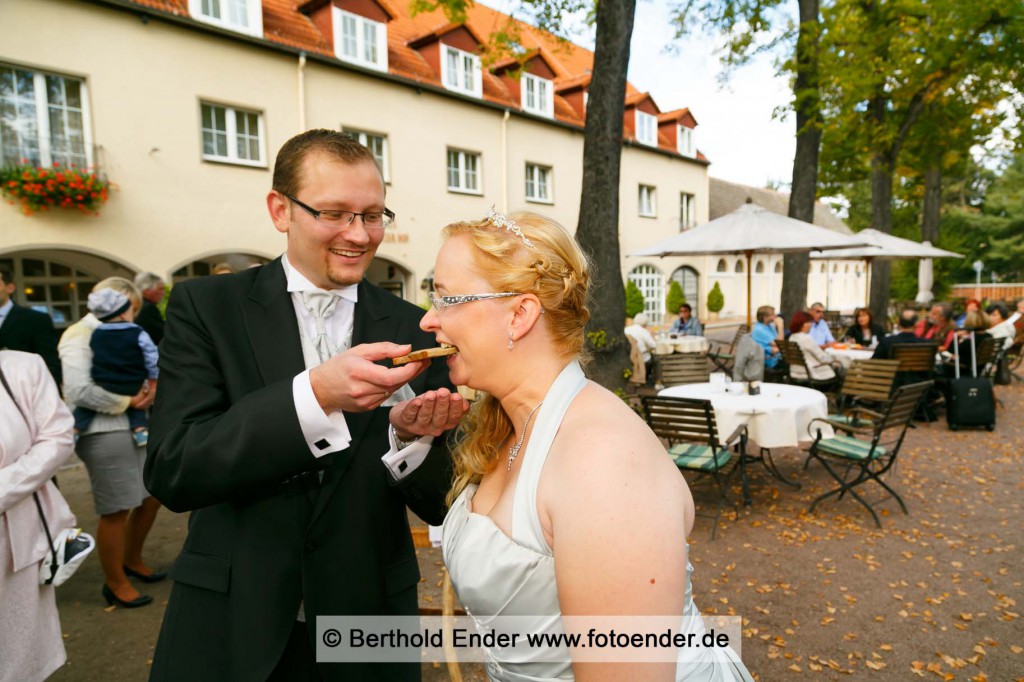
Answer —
342 146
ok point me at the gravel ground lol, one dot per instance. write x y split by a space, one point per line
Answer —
823 596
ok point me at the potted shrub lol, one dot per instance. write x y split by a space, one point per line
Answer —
716 301
36 188
675 298
634 299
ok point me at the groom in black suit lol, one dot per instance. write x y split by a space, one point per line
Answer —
297 470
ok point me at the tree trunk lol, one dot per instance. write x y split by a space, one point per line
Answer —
805 162
598 229
932 209
881 220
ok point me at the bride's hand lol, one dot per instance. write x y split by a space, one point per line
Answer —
430 414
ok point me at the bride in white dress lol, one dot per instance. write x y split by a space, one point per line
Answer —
564 502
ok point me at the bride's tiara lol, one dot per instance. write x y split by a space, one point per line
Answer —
499 219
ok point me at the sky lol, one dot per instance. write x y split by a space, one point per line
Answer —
735 128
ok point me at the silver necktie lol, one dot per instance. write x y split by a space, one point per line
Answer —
320 305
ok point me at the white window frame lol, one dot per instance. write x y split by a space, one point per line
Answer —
462 170
646 128
543 91
684 141
362 26
42 111
647 201
651 283
539 176
462 58
254 15
687 211
364 138
232 135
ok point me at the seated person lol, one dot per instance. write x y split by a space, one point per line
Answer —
687 324
938 326
1017 319
750 359
977 323
765 334
972 307
821 365
820 332
904 334
644 341
864 330
1001 329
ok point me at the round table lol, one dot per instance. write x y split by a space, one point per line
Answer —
777 418
682 344
848 355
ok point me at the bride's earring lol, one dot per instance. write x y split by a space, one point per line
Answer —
510 340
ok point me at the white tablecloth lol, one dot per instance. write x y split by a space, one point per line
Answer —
848 355
777 418
683 344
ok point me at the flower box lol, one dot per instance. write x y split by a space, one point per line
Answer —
37 188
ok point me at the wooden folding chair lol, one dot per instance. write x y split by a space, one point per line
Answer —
868 383
723 355
683 368
688 427
871 454
794 357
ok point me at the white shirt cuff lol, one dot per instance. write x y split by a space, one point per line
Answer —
403 462
324 433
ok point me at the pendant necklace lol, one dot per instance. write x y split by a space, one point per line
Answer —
513 451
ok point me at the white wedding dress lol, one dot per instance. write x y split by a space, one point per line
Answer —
497 575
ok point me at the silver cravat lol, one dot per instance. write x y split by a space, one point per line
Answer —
320 305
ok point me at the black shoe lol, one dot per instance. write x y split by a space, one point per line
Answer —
112 598
153 577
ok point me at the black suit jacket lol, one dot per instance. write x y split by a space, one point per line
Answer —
31 331
884 349
225 443
150 319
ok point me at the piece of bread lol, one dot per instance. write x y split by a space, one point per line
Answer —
425 354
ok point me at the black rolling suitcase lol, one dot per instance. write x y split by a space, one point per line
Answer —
971 400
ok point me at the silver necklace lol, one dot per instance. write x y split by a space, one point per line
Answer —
513 451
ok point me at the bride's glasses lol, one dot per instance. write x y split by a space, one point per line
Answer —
442 302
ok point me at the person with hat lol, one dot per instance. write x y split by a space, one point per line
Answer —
124 359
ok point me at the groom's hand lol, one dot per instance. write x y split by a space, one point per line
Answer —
430 414
350 381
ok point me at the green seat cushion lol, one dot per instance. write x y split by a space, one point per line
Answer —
846 419
849 448
699 457
727 356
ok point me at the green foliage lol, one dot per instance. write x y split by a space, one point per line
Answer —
597 339
675 297
716 299
634 300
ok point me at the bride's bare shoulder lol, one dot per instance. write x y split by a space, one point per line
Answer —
601 423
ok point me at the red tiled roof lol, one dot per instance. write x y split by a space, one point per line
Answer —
285 24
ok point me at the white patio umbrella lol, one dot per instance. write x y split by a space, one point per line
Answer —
748 230
925 281
885 246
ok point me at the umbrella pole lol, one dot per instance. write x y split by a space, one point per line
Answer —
867 282
748 254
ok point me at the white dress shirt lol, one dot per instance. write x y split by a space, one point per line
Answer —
323 432
4 309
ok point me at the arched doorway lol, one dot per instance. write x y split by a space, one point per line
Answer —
207 265
58 281
651 283
391 276
689 280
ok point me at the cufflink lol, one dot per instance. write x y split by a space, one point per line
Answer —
322 444
402 467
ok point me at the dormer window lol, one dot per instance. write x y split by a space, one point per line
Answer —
360 40
537 95
244 16
684 138
646 129
460 71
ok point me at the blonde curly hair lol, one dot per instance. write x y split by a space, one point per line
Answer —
554 269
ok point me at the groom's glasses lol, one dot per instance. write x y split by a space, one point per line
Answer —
442 302
372 220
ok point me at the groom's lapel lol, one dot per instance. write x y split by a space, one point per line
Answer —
271 326
372 322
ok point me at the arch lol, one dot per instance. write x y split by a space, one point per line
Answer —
689 280
57 281
739 266
823 268
201 264
857 270
722 266
846 271
778 266
835 268
391 275
651 283
759 268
